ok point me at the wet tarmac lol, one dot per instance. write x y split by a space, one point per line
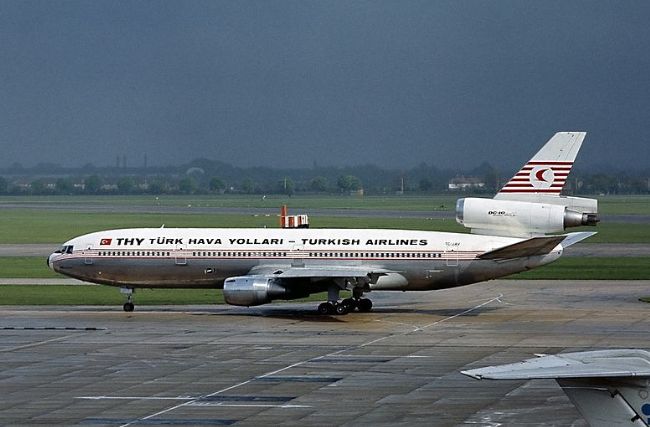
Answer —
281 364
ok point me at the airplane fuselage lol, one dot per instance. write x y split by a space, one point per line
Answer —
205 257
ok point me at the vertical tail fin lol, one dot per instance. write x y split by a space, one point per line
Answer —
547 172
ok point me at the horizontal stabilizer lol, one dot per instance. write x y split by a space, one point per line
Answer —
573 238
536 246
531 247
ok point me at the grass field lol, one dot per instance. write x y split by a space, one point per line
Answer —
26 268
107 295
399 203
36 226
42 226
595 268
608 205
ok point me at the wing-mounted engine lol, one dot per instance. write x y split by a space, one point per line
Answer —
525 219
258 290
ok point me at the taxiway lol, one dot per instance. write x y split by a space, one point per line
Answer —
281 364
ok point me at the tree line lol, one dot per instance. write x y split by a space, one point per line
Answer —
212 177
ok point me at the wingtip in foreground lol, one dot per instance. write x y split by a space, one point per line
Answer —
608 387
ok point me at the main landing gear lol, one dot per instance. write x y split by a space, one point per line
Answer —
334 306
128 305
345 306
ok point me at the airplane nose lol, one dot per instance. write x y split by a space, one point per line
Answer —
49 261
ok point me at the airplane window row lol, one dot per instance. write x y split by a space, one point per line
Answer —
374 255
278 254
240 254
133 253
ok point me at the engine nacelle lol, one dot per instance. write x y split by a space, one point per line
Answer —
515 218
252 290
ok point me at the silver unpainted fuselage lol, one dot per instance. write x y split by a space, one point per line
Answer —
204 258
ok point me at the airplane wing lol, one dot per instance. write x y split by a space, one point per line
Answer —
536 246
330 272
587 364
608 387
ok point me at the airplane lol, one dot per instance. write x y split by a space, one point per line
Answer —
254 266
608 387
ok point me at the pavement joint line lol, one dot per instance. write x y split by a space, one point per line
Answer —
196 401
35 344
51 328
293 365
244 405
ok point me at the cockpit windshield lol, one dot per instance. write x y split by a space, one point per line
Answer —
66 249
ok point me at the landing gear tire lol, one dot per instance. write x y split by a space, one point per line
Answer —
364 305
334 308
326 308
342 308
351 303
128 307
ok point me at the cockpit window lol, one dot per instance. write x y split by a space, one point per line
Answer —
66 249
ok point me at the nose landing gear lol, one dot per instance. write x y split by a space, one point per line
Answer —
128 305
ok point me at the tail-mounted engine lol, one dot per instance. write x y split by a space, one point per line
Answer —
522 219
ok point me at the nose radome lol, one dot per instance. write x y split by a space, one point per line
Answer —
49 261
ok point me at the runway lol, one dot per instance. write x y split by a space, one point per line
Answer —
281 364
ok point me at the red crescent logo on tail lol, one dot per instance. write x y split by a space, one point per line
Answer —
542 177
540 174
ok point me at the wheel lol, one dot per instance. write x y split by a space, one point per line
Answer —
342 308
128 306
365 305
326 308
350 303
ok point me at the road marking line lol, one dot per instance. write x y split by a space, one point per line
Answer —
293 365
35 344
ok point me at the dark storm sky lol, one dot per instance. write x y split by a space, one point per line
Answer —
287 83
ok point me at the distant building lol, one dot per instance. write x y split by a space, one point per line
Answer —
463 183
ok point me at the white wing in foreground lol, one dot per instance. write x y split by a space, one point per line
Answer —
608 387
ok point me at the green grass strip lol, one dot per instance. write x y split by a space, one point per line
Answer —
608 205
34 226
26 268
107 295
596 268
